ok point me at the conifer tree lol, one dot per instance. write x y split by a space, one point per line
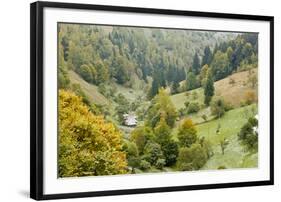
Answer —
209 89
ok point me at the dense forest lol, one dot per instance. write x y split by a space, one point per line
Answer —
135 100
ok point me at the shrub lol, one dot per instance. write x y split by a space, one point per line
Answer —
144 165
140 136
86 72
130 148
204 117
193 107
248 135
250 97
207 146
181 112
170 151
160 163
231 81
152 152
192 158
228 106
194 95
218 107
186 104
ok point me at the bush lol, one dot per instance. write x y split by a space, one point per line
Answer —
152 152
193 107
160 163
204 117
170 151
248 135
228 106
250 97
218 107
231 81
86 72
144 165
192 158
194 95
207 146
181 112
133 161
186 104
130 148
140 136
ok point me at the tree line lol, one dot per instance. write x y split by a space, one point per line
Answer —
101 54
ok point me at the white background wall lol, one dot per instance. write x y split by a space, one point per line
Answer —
14 100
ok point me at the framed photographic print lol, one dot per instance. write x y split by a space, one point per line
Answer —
136 100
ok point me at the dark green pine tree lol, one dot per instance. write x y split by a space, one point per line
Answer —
207 58
175 87
162 81
154 88
196 64
209 89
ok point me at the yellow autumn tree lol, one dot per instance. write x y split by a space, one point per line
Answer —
88 145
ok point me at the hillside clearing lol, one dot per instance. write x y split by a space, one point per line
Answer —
233 93
90 90
236 92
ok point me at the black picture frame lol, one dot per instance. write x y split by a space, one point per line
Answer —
36 98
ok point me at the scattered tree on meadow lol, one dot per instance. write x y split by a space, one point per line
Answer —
223 144
209 89
218 107
193 107
204 117
249 134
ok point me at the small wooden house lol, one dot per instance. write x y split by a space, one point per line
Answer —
130 120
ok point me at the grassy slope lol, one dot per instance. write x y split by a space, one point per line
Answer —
235 155
90 90
233 94
96 97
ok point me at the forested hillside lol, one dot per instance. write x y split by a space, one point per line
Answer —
168 97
